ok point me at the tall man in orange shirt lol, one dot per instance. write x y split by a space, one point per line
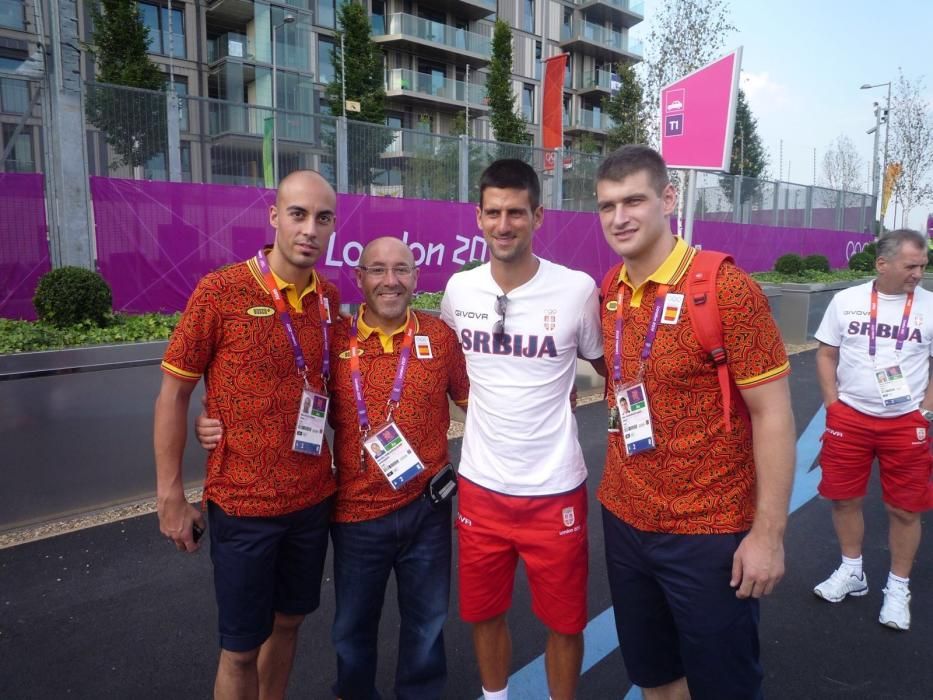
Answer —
694 517
259 333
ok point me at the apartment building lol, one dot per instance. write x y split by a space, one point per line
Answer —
436 61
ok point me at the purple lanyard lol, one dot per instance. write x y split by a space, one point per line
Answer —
357 378
286 319
649 337
873 322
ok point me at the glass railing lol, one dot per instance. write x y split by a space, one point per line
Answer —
597 34
593 119
248 120
429 84
596 79
440 33
636 8
232 45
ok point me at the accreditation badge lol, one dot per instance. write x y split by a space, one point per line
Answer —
892 384
393 454
312 419
635 418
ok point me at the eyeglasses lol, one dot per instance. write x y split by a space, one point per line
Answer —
379 271
502 303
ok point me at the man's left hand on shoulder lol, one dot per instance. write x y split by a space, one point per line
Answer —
758 565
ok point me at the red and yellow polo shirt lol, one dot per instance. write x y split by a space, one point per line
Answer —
423 413
231 335
699 479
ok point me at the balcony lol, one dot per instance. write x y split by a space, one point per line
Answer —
596 40
230 45
470 9
596 81
430 89
231 12
589 120
424 37
628 13
244 124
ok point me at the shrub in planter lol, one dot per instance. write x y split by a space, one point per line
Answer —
862 262
70 295
820 263
470 265
871 249
790 264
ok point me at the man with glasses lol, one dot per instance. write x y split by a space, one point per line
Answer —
258 332
393 371
522 322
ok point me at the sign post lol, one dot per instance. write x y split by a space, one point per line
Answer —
697 123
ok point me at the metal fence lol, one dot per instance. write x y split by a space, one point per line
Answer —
140 134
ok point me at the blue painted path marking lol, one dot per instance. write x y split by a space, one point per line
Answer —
599 637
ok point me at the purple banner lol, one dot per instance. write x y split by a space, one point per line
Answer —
156 239
24 248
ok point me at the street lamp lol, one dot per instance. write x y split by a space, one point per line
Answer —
876 186
287 19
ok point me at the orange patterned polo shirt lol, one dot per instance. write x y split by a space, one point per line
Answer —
699 479
230 334
423 414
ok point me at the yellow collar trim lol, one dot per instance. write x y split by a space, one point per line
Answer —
291 293
363 330
670 272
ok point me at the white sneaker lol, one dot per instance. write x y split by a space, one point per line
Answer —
842 584
895 612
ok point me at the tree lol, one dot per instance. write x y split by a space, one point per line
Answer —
842 165
685 35
507 125
911 144
627 111
363 84
133 122
749 159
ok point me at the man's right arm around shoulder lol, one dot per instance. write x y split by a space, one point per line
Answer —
176 515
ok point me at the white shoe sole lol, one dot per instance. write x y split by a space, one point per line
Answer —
855 594
894 626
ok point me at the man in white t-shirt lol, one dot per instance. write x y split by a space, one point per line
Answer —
522 322
873 365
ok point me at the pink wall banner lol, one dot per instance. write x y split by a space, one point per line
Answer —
698 116
156 239
24 247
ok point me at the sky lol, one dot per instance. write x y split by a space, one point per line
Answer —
803 62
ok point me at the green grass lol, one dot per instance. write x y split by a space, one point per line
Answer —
26 336
427 300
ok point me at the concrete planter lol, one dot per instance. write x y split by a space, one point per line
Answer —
802 307
76 426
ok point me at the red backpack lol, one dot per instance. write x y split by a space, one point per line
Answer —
700 293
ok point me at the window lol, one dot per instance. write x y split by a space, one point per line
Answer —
528 18
181 89
325 15
14 93
528 102
156 168
537 71
12 15
568 72
379 17
325 66
160 40
20 158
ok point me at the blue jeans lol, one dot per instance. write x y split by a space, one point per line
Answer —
414 541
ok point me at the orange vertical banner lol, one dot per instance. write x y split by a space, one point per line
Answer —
552 107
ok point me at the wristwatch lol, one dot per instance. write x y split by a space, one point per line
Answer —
927 413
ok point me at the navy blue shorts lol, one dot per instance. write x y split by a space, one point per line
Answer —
676 614
264 566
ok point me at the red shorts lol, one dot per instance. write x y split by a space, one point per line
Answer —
547 532
853 440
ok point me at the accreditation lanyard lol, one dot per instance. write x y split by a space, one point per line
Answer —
286 320
357 378
873 322
649 337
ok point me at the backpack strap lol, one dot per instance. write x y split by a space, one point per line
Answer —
703 304
610 277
